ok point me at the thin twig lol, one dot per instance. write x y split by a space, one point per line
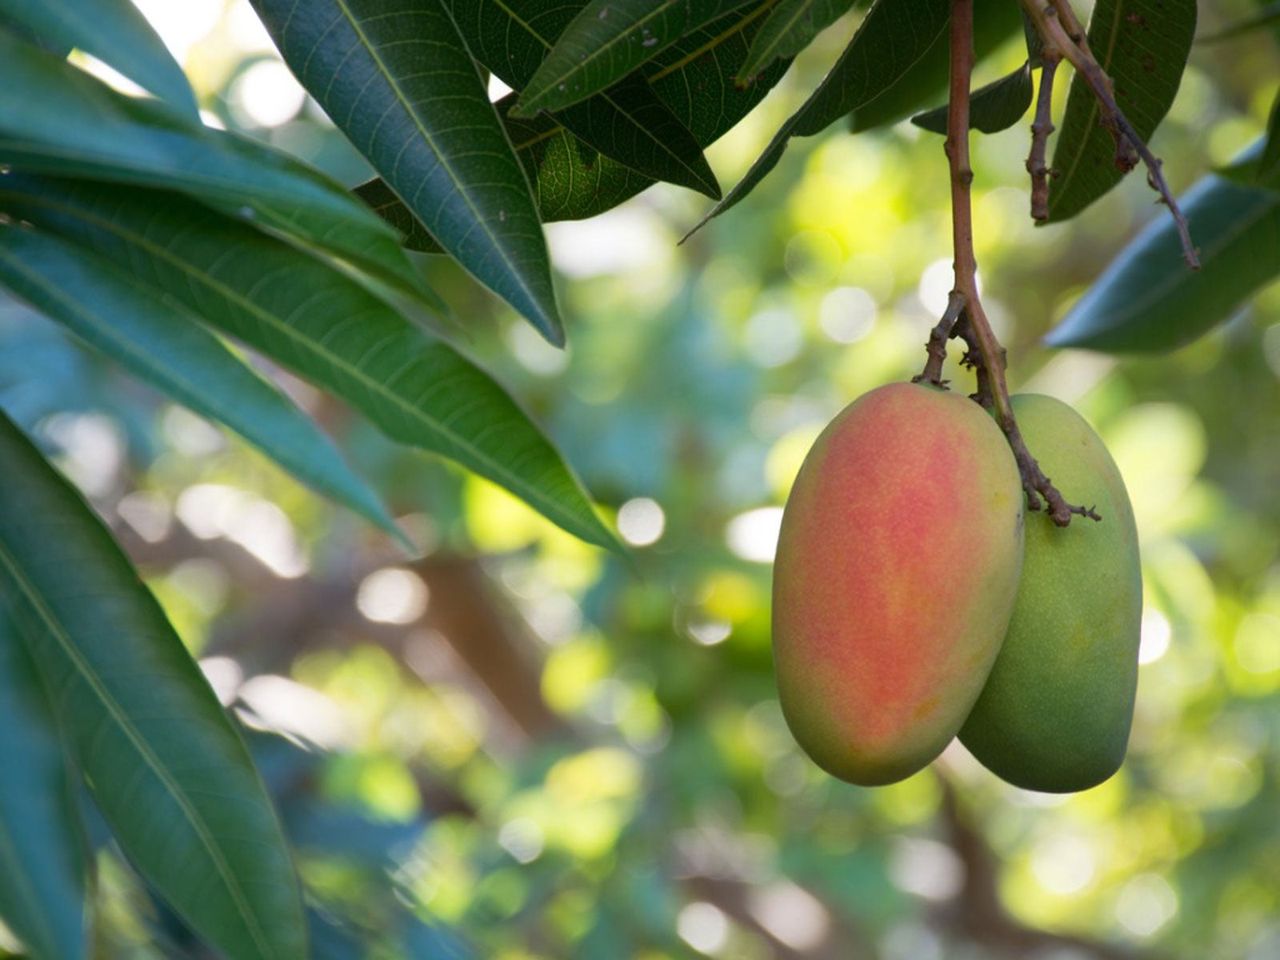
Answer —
1059 28
1041 127
936 347
985 350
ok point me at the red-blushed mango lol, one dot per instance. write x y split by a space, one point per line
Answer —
1056 710
895 576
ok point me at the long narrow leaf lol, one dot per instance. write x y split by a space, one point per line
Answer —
326 328
78 125
162 342
790 28
397 79
42 861
995 107
114 32
169 772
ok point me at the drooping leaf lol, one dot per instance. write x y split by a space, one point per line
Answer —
995 107
78 125
114 32
167 769
790 28
1268 16
397 79
627 122
42 859
1143 46
925 81
1269 161
1147 301
162 342
326 328
894 36
606 41
572 181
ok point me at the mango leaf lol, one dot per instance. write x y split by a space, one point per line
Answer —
1143 46
995 107
1261 19
606 41
165 344
894 36
42 859
1147 301
78 125
925 81
1269 162
114 32
573 181
397 79
790 28
627 122
169 772
326 328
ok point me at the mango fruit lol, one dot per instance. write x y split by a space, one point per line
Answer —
1056 710
894 581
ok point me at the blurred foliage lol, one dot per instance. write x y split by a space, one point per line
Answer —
521 747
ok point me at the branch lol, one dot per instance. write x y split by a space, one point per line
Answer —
936 346
1061 31
1041 127
985 352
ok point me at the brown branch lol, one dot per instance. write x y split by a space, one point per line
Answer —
1061 31
936 346
1041 127
985 350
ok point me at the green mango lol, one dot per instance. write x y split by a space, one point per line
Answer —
1055 713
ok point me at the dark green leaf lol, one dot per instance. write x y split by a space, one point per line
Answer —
1148 301
42 859
325 327
895 35
606 41
396 78
790 28
1266 17
1269 162
78 125
1143 46
162 342
169 772
627 122
117 34
925 81
571 180
995 107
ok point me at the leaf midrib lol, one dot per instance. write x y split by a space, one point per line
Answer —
56 630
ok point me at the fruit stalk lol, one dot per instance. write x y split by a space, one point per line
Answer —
985 352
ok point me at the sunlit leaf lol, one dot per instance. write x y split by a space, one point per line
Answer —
42 859
995 107
318 323
162 342
169 772
114 32
606 41
894 36
1143 46
627 122
397 79
1147 301
78 125
790 28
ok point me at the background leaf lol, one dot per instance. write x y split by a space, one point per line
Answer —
1143 46
925 81
114 32
42 859
606 41
995 107
1260 19
80 126
790 28
162 342
1145 302
396 78
169 772
627 122
318 323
